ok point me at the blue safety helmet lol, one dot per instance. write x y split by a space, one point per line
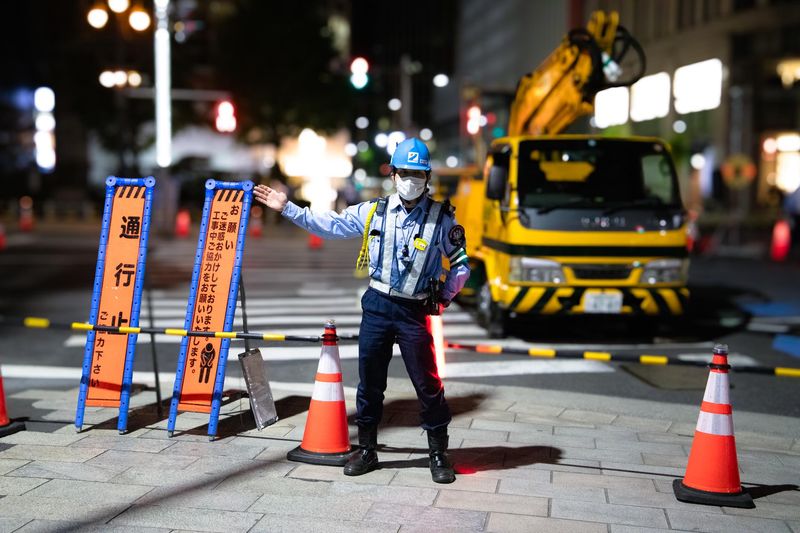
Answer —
411 154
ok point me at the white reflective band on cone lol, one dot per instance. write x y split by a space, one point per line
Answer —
717 390
329 362
328 392
714 424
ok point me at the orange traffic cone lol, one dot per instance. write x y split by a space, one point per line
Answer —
182 222
314 242
326 440
7 426
256 222
26 219
712 474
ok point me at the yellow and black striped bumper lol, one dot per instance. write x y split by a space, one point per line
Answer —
653 301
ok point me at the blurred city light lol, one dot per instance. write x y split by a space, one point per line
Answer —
698 86
441 80
395 104
611 107
381 140
789 71
134 78
97 17
118 6
425 134
163 85
107 79
363 146
359 69
650 97
226 117
139 19
44 100
698 161
362 123
395 138
360 174
473 120
350 149
679 126
120 78
45 122
788 142
451 161
770 145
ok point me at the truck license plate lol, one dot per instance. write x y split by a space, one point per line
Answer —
602 302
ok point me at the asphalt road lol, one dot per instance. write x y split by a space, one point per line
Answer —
291 288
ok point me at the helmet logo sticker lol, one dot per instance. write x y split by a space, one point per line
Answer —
413 157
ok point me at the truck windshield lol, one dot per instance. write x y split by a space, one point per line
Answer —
595 173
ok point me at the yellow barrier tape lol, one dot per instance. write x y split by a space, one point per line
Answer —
653 359
178 332
273 337
787 372
35 322
129 329
597 356
541 352
225 334
82 326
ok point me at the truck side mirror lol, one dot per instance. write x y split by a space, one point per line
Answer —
496 185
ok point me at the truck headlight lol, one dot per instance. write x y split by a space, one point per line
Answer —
665 271
536 270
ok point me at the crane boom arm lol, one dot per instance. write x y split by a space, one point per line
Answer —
562 88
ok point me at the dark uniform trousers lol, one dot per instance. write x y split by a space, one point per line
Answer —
385 320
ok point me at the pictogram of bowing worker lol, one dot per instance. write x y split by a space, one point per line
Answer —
404 237
207 357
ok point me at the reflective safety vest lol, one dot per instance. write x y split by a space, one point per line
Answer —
410 284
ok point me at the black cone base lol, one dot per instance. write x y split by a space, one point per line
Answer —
313 458
690 495
11 428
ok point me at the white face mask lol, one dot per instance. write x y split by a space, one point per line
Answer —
410 188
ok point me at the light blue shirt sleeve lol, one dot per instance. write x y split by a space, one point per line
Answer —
457 254
329 224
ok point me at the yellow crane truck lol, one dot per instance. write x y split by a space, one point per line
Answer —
574 224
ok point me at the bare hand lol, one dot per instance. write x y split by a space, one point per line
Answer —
270 197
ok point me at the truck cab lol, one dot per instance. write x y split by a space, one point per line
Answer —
575 224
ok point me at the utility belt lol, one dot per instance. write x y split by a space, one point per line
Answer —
430 299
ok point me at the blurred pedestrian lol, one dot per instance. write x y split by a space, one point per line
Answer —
404 237
791 207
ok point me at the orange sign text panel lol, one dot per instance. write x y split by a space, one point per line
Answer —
211 300
116 298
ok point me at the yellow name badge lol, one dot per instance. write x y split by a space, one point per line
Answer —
420 244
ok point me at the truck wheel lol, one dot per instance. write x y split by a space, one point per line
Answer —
490 315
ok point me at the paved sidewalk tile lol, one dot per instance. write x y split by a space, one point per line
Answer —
651 498
155 476
213 449
643 471
27 506
572 479
536 409
768 510
7 525
88 491
187 519
259 484
608 513
51 453
642 424
335 473
286 524
503 503
590 417
474 483
621 456
382 493
9 465
312 506
201 497
121 442
14 486
669 438
514 427
423 516
59 470
41 438
527 487
510 523
644 447
152 460
701 521
59 526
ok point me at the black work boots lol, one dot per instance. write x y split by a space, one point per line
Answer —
441 468
365 459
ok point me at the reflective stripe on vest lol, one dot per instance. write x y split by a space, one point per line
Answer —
412 278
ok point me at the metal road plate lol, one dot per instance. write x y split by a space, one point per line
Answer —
255 377
602 302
